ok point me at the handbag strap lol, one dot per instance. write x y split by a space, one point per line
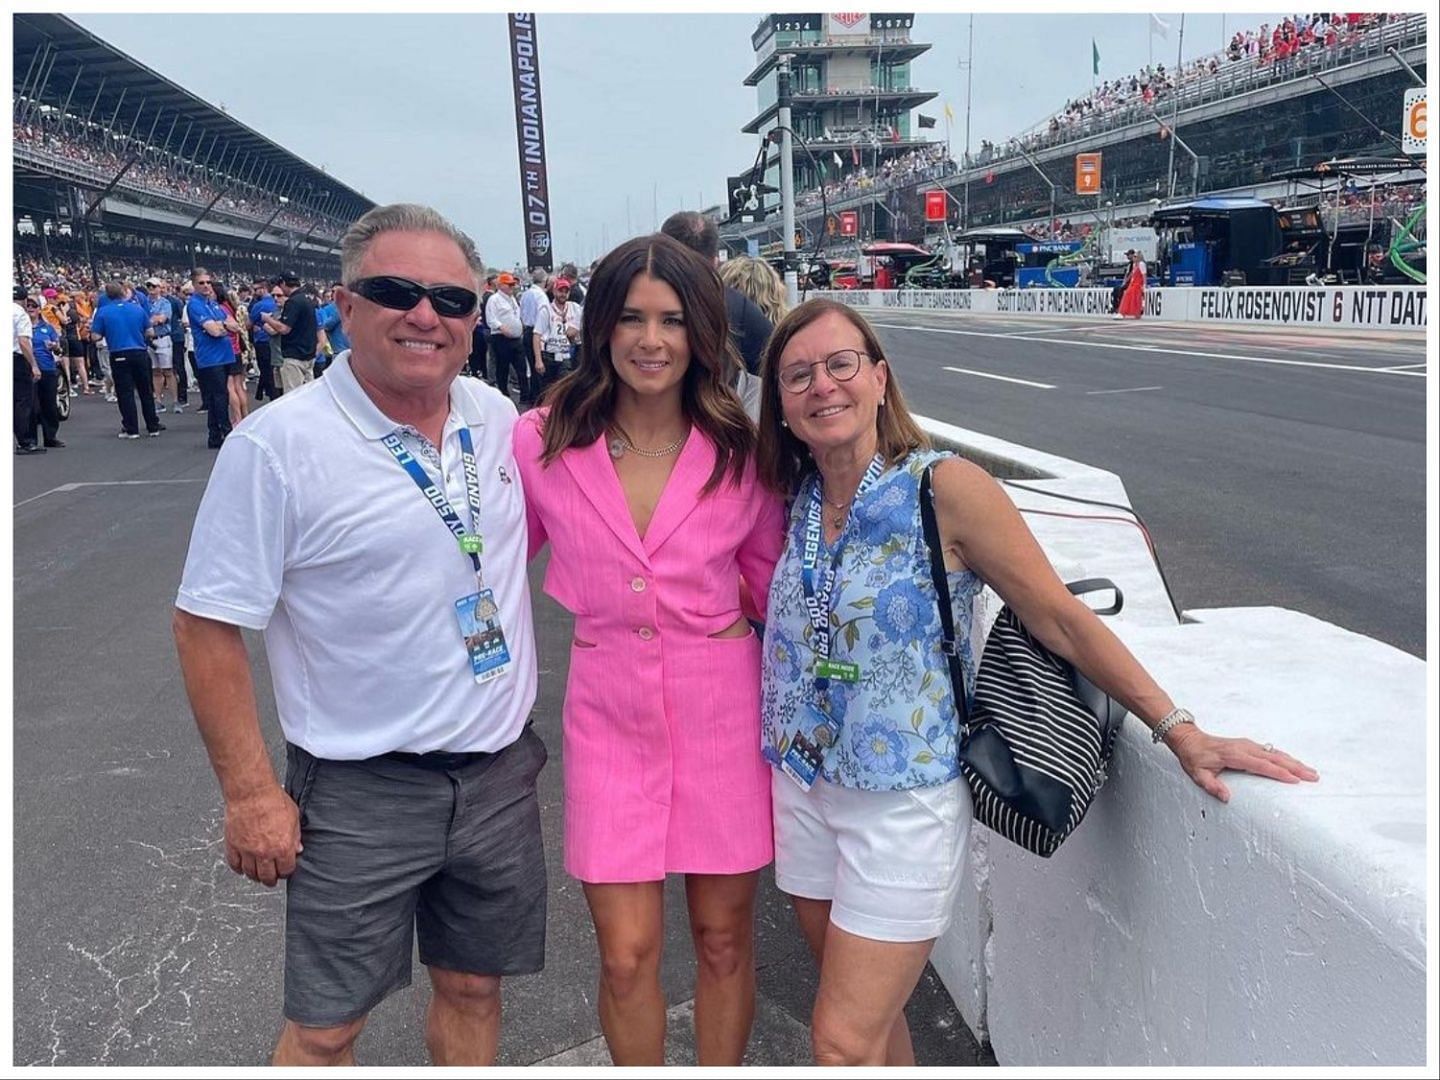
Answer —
941 582
1098 584
942 590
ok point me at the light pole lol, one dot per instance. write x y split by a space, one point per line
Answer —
969 79
1175 113
1050 225
1194 157
787 176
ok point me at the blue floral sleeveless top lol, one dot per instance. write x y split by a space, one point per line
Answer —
899 727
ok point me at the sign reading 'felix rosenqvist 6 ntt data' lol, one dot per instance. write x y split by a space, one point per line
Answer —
1334 307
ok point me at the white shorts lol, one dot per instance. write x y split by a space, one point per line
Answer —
888 861
162 354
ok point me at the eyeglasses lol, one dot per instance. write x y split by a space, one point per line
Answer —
207 281
402 294
842 366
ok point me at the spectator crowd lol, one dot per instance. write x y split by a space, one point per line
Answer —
160 175
915 166
1290 47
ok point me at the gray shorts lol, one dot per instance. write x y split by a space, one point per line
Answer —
448 843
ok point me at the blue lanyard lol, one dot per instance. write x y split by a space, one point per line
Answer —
436 496
818 596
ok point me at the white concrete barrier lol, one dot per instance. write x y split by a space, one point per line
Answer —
1351 307
1286 927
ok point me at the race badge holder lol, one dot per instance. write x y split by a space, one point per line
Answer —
804 747
477 613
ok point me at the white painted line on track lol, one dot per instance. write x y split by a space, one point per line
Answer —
1401 369
1058 330
64 488
1002 378
1127 390
1161 349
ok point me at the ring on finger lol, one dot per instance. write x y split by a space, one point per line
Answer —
1269 748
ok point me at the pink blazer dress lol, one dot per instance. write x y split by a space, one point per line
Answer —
663 772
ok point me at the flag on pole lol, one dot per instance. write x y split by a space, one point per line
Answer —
927 121
949 113
1159 26
1094 57
839 164
855 154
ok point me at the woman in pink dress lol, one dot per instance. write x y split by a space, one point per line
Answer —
639 473
1132 303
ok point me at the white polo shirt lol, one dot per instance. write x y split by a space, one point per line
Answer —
311 531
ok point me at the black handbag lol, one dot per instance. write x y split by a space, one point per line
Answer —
1035 747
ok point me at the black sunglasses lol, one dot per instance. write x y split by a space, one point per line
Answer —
402 294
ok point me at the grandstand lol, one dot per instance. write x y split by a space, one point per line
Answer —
1244 119
119 169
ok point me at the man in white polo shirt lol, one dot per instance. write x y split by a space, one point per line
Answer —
372 524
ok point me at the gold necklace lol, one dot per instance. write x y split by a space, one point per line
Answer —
837 520
621 443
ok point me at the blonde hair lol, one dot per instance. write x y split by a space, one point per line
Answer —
758 280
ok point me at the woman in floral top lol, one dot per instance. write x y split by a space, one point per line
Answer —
871 815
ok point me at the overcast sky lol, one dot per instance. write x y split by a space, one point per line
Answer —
642 112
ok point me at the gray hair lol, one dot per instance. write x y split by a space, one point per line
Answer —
399 217
539 276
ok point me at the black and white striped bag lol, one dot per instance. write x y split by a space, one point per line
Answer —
1035 747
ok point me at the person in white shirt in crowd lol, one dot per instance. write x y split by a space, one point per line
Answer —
556 335
27 374
346 522
532 300
507 340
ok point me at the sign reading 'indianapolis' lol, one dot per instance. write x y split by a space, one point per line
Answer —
530 135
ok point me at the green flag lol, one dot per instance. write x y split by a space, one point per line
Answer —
1094 57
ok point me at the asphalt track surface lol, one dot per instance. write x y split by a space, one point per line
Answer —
1272 467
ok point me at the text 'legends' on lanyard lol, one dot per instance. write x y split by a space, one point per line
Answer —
470 541
819 593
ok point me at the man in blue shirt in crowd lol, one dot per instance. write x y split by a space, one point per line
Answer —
332 331
122 322
46 342
262 303
176 326
212 328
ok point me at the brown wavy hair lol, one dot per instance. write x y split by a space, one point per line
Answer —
582 404
781 459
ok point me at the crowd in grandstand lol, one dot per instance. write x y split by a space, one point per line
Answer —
160 175
1290 47
923 163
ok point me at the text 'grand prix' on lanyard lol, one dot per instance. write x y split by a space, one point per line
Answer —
470 541
820 587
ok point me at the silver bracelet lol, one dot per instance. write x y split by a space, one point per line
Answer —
1172 720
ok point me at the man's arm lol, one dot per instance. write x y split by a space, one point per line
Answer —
274 325
262 822
27 350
